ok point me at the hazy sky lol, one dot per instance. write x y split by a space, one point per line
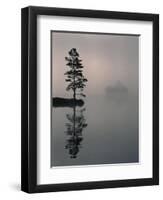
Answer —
109 61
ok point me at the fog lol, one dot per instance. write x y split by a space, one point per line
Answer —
105 129
107 59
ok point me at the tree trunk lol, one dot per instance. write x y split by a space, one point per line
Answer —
74 95
74 120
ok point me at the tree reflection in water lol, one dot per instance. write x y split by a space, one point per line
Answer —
74 128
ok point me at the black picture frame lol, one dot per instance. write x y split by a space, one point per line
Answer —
29 98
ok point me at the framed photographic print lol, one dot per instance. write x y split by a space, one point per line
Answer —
90 99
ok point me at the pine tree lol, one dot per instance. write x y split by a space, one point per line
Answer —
75 75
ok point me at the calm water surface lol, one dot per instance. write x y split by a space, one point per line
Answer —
103 131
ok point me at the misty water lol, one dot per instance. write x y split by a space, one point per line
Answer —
105 132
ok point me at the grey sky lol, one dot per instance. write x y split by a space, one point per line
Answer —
107 60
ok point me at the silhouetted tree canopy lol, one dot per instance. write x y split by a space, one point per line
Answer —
75 78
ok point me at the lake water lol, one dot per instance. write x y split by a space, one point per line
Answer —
103 131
